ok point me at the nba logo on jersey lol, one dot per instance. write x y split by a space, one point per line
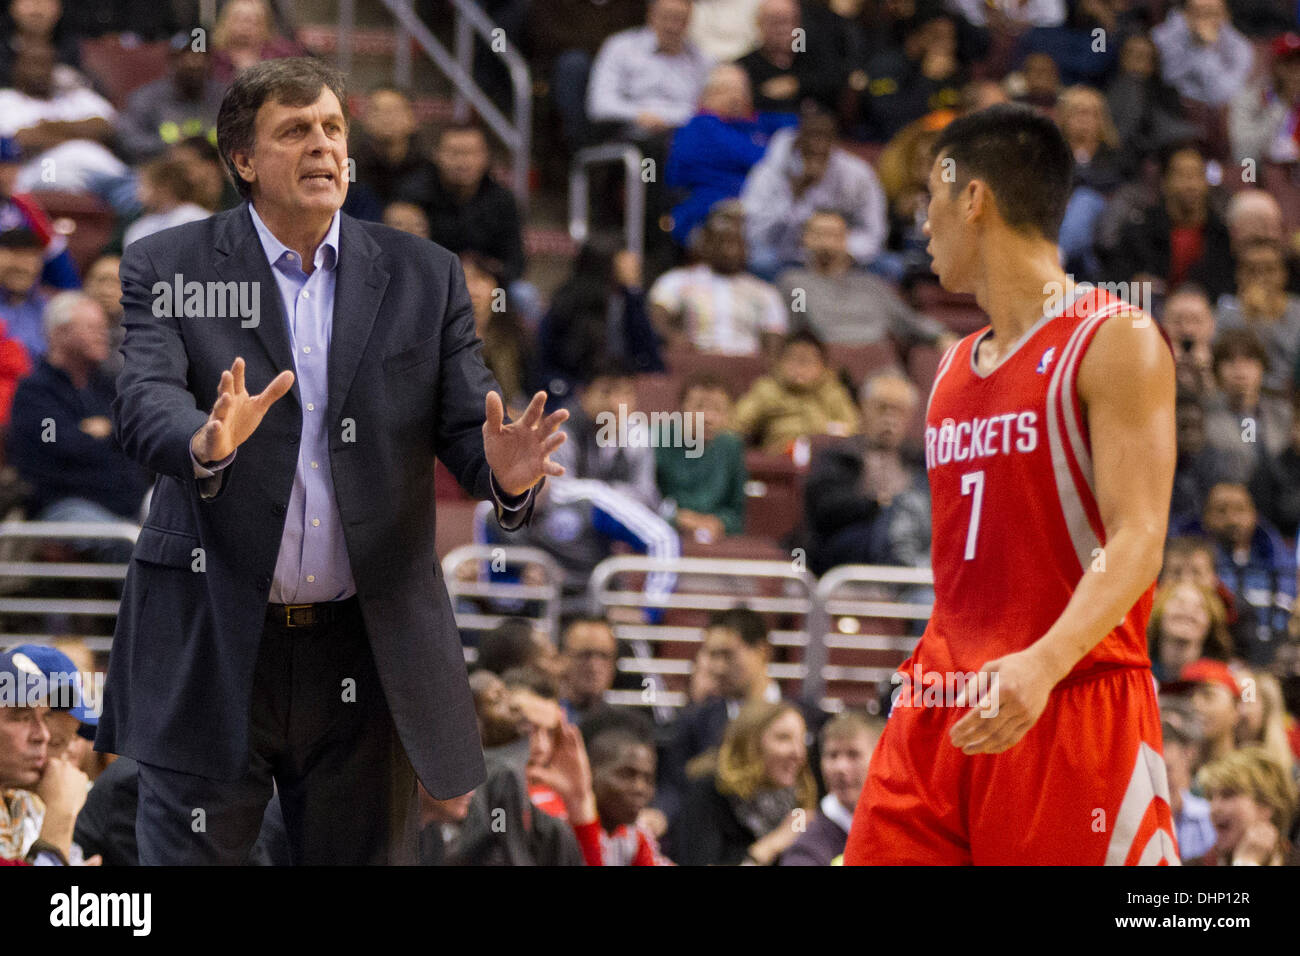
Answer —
1046 360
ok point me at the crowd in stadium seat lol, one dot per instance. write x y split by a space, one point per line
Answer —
784 300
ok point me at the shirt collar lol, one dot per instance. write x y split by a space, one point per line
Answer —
327 253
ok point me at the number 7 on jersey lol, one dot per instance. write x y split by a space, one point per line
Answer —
973 480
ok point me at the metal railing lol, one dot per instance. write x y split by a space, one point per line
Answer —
15 571
633 190
547 595
458 67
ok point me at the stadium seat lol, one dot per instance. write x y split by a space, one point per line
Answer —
861 361
958 312
774 497
86 222
738 371
121 69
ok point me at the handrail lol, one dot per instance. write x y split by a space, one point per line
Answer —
633 190
512 554
458 68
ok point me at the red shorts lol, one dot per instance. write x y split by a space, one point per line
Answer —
1085 786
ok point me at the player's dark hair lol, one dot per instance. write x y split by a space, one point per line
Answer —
1023 158
744 621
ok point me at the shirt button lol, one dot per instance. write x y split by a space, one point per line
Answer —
311 407
315 522
306 294
307 349
311 579
315 464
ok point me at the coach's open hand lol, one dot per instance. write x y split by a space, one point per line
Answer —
519 453
1014 697
236 414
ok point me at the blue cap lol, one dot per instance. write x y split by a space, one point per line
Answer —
53 673
10 151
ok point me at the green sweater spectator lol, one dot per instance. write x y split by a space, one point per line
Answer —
711 484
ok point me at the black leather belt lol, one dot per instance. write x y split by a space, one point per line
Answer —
311 615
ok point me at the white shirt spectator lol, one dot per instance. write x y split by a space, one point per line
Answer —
1212 75
158 221
722 313
68 165
774 217
725 29
1027 13
632 76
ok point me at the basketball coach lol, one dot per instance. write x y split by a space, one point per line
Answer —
284 621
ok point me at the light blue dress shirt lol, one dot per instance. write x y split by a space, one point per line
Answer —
313 564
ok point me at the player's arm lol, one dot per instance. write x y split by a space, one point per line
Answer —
1126 385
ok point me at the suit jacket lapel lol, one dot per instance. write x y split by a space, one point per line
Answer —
239 255
358 290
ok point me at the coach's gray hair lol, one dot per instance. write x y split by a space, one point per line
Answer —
293 81
58 311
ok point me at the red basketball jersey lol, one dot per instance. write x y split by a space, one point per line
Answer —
1014 512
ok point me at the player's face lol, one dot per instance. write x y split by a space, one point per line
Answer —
783 748
844 766
950 240
299 156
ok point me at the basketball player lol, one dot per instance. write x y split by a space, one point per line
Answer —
1050 450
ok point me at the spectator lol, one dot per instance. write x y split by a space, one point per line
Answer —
515 644
505 338
1253 214
1254 562
725 29
1037 83
14 367
1276 482
1072 45
1262 117
21 300
1180 237
40 792
1012 16
1252 805
1187 623
26 23
61 438
715 305
203 162
704 486
782 72
62 130
605 793
844 305
802 398
1203 56
598 312
244 35
1189 321
646 81
866 501
713 153
1215 695
168 197
1245 425
440 823
847 741
803 171
1190 559
1147 111
742 809
1191 813
1199 465
607 493
903 84
104 285
467 208
1262 721
408 217
589 658
391 148
23 211
1099 169
904 169
1263 305
183 103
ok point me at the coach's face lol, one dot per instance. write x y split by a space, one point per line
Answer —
299 157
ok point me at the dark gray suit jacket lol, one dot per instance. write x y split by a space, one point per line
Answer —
406 383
